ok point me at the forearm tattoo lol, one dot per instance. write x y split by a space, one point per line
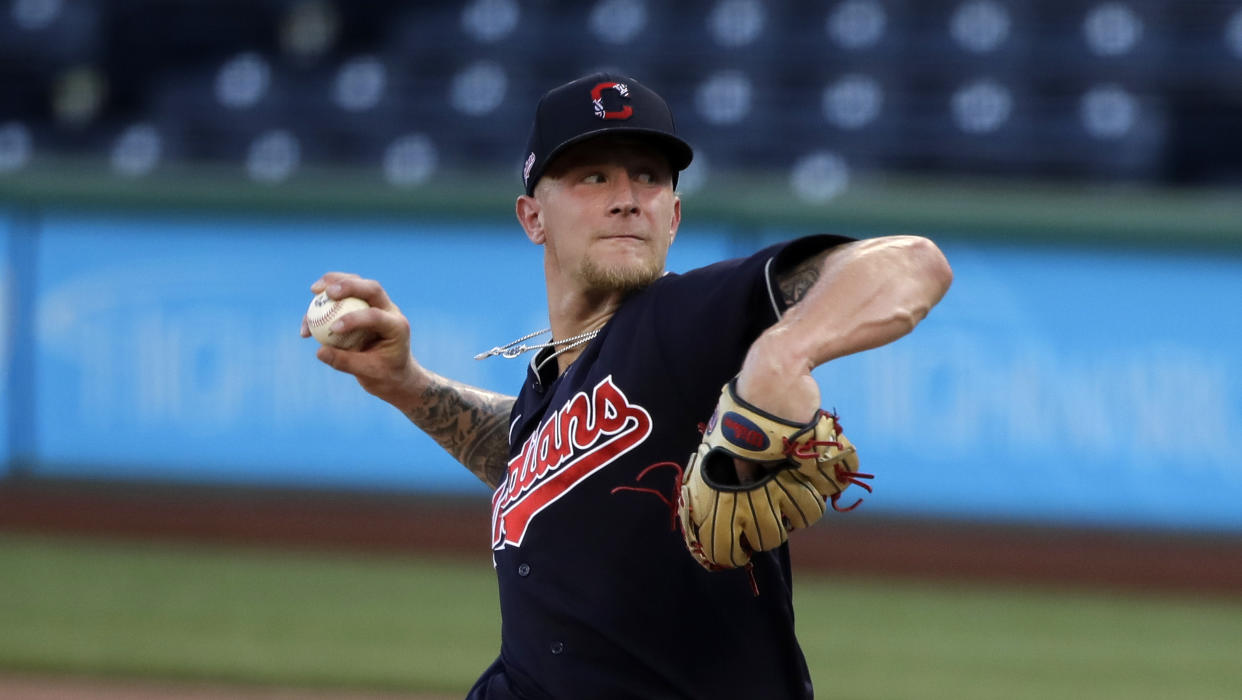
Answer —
472 424
799 279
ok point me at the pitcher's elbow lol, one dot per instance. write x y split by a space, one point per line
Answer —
932 264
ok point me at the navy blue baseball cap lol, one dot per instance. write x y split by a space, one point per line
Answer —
597 104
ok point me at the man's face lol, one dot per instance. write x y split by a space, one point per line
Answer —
608 213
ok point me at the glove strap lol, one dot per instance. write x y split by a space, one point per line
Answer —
749 432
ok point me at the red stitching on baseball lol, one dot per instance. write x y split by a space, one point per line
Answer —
331 314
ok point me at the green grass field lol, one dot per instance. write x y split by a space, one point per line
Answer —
276 617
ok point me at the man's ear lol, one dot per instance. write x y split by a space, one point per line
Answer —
672 233
528 209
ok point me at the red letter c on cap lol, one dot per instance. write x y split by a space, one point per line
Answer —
597 100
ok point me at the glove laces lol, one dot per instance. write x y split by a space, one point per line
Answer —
842 475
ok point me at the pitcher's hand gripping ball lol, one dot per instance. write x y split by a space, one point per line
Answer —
806 466
324 311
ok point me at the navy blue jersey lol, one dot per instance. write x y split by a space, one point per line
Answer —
599 597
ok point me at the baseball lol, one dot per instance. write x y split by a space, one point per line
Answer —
324 311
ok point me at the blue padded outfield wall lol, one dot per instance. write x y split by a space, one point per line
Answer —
1064 385
7 307
169 347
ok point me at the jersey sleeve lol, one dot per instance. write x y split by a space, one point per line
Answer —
706 319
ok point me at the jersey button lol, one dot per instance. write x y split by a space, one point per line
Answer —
558 647
523 569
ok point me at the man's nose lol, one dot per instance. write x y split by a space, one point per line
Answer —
624 200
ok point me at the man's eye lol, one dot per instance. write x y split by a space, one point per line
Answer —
646 178
594 178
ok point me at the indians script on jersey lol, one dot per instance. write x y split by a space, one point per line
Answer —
586 434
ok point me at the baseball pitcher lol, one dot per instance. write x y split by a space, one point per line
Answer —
668 435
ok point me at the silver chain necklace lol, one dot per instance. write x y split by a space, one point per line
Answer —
510 352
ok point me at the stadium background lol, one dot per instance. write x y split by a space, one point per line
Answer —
174 174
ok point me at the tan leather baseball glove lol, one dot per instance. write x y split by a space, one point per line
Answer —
806 467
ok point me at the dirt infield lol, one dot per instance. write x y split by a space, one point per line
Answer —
852 544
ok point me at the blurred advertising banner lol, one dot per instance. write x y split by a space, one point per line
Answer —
7 319
1069 386
1077 386
168 347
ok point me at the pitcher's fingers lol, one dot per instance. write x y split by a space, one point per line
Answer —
386 324
369 291
348 361
330 278
333 358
